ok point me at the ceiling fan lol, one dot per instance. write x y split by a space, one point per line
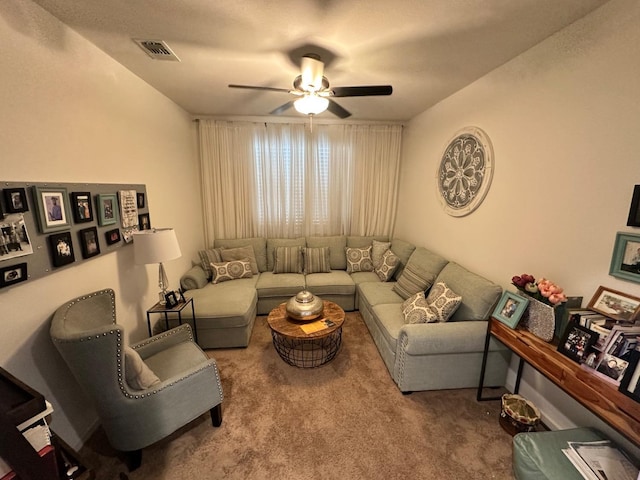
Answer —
313 92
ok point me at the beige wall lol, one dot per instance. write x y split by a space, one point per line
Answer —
69 113
563 119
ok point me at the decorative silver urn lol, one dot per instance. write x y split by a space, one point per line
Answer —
304 306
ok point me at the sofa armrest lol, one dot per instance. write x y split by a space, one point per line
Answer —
194 278
443 338
162 341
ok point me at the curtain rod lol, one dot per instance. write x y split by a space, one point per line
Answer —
316 121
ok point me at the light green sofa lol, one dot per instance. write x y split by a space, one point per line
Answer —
418 356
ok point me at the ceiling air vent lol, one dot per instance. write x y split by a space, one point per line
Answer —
157 49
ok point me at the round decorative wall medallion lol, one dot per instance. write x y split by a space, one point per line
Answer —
465 171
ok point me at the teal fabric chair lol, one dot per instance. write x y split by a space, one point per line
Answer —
85 332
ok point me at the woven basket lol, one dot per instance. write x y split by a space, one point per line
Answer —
518 414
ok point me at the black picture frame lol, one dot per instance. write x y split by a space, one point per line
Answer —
634 209
630 383
171 299
61 247
16 200
1 212
13 274
112 236
89 242
81 206
577 341
140 199
144 223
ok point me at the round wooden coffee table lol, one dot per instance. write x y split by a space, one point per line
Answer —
307 349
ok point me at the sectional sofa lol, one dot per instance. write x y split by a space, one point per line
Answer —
419 356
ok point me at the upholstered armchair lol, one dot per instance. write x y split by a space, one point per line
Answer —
144 392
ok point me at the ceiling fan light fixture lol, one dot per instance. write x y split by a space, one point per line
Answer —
311 104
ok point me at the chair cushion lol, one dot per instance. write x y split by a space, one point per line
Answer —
138 375
287 260
241 253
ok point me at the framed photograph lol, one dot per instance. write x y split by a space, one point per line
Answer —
625 262
61 249
577 341
615 304
612 368
81 204
630 384
13 274
113 236
89 242
1 213
52 207
107 209
171 299
140 197
634 210
510 308
16 200
143 222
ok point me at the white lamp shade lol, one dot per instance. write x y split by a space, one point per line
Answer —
155 246
311 104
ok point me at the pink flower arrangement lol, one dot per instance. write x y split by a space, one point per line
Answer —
543 290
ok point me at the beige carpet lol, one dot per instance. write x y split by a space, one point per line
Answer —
344 420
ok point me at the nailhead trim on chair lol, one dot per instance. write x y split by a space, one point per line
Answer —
123 387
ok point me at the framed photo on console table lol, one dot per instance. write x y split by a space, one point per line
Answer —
614 304
576 342
625 262
630 384
510 308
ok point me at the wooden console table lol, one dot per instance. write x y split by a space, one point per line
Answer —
599 396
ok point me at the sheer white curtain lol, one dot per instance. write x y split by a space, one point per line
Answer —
282 181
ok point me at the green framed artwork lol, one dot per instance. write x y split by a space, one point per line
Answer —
107 209
52 208
510 308
625 262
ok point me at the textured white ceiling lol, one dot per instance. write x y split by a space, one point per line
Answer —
425 49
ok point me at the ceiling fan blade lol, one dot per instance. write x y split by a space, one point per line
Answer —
362 91
337 110
282 108
251 87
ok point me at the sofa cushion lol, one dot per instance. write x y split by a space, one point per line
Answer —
241 253
376 293
359 259
416 309
234 270
479 295
413 280
279 284
227 304
207 257
403 250
443 301
287 260
259 245
387 266
316 260
357 241
336 244
337 282
362 277
272 243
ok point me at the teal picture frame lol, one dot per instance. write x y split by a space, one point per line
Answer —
107 207
510 308
52 208
625 261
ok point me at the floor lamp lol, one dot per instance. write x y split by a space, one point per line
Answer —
156 246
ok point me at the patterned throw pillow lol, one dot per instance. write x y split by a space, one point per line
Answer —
241 253
316 260
378 249
443 301
412 280
388 265
359 259
233 270
415 309
207 257
287 260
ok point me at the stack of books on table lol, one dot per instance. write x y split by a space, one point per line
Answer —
600 460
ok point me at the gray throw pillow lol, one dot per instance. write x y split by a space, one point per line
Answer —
287 260
412 280
241 253
207 257
316 260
